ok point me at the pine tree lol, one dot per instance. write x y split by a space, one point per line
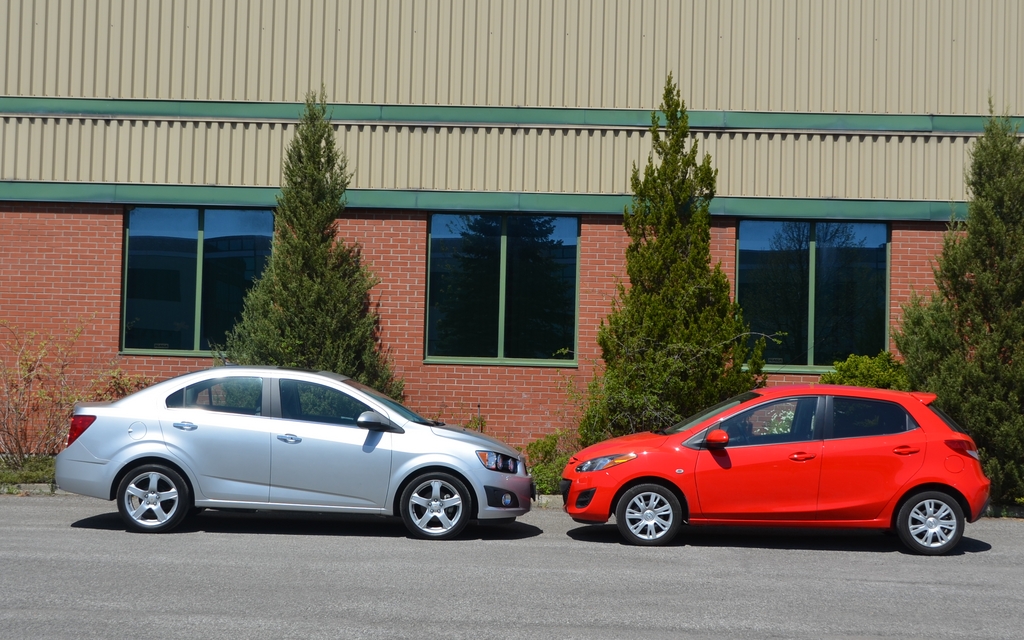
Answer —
674 342
311 307
966 344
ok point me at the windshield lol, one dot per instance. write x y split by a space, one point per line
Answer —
701 416
397 407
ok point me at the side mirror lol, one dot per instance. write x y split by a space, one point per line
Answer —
716 439
373 421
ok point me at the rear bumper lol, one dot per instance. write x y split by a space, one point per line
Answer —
84 478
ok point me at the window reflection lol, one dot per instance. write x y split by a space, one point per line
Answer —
849 294
163 266
849 285
540 287
465 266
538 312
236 246
772 285
160 290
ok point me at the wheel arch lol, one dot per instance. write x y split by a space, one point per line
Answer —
671 486
396 507
138 462
965 506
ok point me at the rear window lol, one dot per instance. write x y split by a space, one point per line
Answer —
858 417
950 422
226 395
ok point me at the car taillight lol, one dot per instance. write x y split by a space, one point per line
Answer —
78 426
964 447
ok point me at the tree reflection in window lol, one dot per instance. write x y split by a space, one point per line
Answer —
468 317
774 287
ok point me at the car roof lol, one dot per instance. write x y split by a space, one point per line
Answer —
845 390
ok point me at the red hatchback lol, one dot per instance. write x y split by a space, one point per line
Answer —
798 456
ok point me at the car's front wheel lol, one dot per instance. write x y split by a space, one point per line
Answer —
152 498
930 523
649 515
435 506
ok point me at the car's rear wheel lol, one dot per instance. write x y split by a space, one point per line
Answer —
153 498
649 515
930 523
435 506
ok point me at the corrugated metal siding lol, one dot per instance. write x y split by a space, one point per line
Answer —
847 56
480 159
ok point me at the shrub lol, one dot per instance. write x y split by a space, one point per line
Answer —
880 372
547 458
41 379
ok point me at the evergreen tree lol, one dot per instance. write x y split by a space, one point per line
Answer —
311 307
966 344
674 343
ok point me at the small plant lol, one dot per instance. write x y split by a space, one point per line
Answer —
548 456
880 372
41 379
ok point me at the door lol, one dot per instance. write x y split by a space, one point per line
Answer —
218 428
872 449
770 468
320 456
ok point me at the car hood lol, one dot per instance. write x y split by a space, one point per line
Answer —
475 438
633 443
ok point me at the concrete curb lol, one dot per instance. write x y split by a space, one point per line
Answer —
41 489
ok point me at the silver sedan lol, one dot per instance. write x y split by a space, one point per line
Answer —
282 439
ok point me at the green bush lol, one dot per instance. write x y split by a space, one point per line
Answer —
34 470
965 343
547 458
880 372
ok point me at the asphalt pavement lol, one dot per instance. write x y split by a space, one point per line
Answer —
68 569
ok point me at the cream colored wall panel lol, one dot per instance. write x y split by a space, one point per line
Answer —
860 56
755 164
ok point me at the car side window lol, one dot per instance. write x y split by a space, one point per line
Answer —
855 418
313 402
227 395
789 420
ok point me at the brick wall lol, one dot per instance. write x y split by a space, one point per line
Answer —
518 403
913 248
60 265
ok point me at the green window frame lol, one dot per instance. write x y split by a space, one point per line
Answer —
186 272
502 289
824 284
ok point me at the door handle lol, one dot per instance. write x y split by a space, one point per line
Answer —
905 450
185 426
800 456
289 439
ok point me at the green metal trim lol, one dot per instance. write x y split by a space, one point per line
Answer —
176 353
812 275
197 316
797 369
498 201
502 362
427 115
502 274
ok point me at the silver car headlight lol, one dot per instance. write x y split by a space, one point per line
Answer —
604 462
498 461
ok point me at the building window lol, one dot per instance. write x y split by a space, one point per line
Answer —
502 287
187 273
822 284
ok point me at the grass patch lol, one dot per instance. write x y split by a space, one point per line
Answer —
35 470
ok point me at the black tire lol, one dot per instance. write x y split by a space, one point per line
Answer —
153 498
930 523
435 506
648 515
